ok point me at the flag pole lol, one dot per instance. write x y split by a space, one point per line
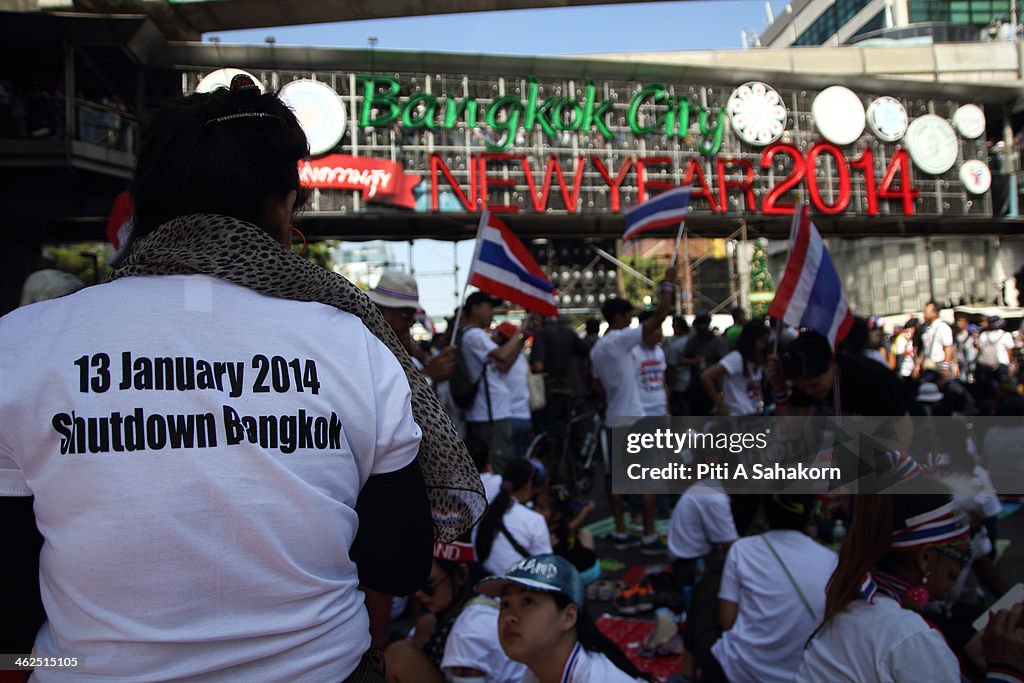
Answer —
675 259
798 207
484 217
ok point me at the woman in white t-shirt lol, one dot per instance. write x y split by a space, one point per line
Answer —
771 598
457 639
903 550
740 372
544 625
510 531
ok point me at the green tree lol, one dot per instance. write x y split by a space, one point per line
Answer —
634 289
88 261
761 284
320 253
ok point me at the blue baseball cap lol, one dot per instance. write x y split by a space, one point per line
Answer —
547 573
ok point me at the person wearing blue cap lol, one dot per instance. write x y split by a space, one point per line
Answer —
543 624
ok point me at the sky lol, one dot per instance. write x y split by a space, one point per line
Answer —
632 27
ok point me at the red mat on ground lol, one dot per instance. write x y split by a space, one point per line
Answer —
629 634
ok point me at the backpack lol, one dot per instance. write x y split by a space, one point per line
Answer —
462 387
988 354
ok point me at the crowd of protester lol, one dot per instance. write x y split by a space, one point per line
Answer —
342 585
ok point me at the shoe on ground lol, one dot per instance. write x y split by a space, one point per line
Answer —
626 541
655 547
608 590
644 598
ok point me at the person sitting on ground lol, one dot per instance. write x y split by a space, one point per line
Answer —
457 640
903 549
771 598
543 624
509 530
565 517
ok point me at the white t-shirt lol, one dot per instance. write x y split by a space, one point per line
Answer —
700 520
613 365
477 345
904 350
530 531
492 485
473 643
518 391
1001 340
174 547
880 642
587 667
650 373
766 642
742 395
937 336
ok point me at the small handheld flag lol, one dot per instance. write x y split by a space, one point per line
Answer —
668 208
503 267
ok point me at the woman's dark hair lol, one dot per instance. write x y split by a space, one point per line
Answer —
875 517
857 338
518 474
788 511
224 152
592 639
807 356
747 342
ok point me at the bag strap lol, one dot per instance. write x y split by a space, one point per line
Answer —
515 544
803 598
487 392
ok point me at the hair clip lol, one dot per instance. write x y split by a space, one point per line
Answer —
242 82
243 115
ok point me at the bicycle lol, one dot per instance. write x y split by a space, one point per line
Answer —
571 467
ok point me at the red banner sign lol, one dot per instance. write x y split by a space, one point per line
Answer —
378 180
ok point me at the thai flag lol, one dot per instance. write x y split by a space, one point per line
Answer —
503 267
811 294
668 208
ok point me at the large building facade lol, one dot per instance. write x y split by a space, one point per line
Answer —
980 40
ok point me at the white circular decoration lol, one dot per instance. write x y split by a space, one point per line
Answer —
975 176
838 115
932 144
319 110
970 121
756 113
887 119
221 78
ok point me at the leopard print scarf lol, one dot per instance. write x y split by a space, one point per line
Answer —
243 254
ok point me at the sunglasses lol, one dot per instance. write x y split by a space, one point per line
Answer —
430 588
959 553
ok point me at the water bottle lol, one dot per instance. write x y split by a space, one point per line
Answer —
838 531
698 571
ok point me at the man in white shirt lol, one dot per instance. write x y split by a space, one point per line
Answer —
489 419
614 368
936 352
650 369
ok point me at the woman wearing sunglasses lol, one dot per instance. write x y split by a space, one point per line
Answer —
544 625
457 640
903 550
